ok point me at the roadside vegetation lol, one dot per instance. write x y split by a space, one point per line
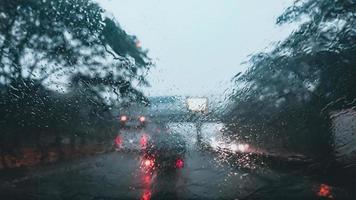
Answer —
286 98
64 67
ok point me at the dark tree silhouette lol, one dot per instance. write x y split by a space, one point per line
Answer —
45 43
287 94
42 39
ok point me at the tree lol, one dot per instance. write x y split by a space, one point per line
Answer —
287 94
46 42
43 39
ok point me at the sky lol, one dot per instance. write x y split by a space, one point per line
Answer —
199 45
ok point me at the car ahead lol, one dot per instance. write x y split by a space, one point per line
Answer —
164 151
131 140
127 121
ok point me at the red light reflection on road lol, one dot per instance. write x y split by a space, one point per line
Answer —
147 164
146 195
146 177
325 191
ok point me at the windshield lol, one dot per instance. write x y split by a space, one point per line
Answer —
130 99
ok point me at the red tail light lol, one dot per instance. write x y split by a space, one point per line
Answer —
179 163
148 163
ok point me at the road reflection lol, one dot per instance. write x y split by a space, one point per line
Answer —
146 176
159 182
146 195
146 182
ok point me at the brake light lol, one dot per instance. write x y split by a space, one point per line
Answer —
148 163
123 118
142 119
179 163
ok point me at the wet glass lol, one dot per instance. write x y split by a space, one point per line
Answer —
129 99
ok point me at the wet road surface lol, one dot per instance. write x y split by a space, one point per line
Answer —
206 175
119 176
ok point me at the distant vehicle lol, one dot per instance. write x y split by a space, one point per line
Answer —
132 135
132 116
164 151
127 121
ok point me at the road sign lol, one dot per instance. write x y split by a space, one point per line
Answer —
197 104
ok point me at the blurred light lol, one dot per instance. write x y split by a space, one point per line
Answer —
233 147
123 118
118 140
142 119
143 140
325 191
179 163
147 179
146 195
243 147
148 163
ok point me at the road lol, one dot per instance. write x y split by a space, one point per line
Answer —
118 175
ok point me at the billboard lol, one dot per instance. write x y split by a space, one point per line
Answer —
197 104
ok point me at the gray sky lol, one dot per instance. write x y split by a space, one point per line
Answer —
199 45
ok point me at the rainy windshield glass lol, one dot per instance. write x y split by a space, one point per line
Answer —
138 99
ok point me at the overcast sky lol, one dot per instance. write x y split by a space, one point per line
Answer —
199 45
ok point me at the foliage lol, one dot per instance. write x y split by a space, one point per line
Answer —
46 39
287 94
44 43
